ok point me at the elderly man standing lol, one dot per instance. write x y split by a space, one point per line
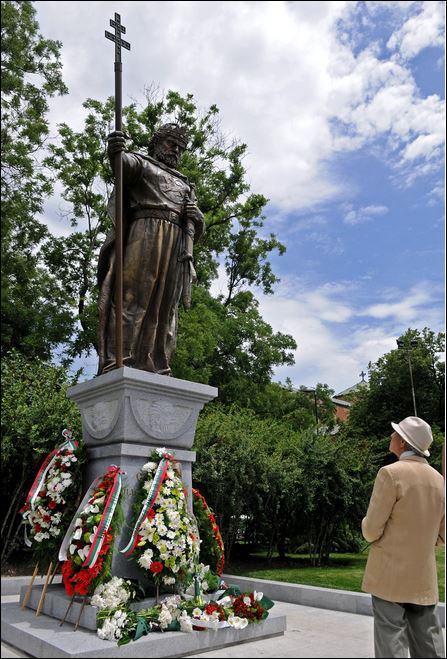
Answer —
404 522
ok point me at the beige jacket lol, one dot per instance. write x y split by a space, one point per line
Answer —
404 522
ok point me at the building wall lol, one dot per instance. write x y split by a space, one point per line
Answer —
341 412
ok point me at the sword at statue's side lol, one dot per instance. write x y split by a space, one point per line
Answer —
189 273
118 189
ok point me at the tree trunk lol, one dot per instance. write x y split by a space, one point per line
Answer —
8 544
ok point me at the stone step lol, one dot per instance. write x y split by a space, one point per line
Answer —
43 637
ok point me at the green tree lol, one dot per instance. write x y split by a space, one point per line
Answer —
274 486
231 468
230 347
80 160
333 491
301 408
35 410
35 312
388 396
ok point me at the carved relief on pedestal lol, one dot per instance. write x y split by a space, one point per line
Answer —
162 419
101 418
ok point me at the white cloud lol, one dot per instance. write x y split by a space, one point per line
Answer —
364 214
423 30
336 338
278 71
409 308
436 194
326 243
380 98
423 146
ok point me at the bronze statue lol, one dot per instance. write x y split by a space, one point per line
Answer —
161 222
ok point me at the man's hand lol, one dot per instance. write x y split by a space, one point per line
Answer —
116 142
193 214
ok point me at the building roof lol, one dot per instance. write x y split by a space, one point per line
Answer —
351 390
341 403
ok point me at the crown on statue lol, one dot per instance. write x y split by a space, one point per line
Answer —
173 130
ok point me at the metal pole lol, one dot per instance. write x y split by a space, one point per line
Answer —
118 223
412 386
116 38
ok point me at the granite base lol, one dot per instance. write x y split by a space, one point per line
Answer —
44 637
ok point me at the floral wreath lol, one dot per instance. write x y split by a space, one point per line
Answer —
164 540
51 500
86 549
212 547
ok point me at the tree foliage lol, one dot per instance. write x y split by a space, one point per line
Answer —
301 408
278 487
388 396
35 312
35 410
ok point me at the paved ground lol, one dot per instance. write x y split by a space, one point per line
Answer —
311 632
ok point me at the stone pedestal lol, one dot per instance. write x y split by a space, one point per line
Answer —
125 415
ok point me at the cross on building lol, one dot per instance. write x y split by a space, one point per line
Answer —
362 375
117 37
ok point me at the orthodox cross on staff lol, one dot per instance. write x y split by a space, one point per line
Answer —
362 375
118 187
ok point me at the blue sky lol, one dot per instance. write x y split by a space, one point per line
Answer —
342 107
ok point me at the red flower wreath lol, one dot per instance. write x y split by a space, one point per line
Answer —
215 531
80 580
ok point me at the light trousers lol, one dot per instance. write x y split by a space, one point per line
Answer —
402 628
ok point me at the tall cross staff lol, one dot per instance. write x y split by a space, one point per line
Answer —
118 189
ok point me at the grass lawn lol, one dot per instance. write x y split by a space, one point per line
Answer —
345 571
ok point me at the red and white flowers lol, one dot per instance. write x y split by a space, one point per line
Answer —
86 547
50 501
166 538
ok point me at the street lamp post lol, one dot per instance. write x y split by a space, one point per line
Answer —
402 345
311 390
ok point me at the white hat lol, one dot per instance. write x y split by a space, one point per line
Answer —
416 432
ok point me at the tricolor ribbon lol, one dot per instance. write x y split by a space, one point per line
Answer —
149 502
69 445
106 518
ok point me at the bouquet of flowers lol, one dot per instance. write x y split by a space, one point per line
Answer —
86 550
233 609
165 539
207 580
123 625
114 593
51 501
212 547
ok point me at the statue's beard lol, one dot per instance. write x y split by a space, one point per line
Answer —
167 158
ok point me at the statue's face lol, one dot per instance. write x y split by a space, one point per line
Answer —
168 151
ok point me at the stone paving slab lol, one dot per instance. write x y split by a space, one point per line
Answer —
12 585
324 598
312 633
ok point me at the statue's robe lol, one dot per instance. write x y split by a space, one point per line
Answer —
155 198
